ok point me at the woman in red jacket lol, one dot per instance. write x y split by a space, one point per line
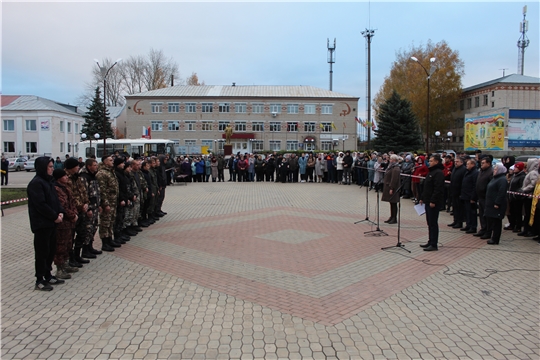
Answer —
419 170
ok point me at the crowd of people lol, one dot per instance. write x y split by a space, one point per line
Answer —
69 204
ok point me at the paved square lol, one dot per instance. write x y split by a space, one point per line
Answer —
291 236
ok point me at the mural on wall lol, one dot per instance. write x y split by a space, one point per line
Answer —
484 132
524 133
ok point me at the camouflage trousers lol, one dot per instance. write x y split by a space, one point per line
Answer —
106 222
64 239
132 213
85 229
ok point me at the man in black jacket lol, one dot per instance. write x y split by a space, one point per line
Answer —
45 213
456 181
484 177
469 198
433 198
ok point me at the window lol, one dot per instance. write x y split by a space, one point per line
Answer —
76 128
190 125
309 109
257 126
257 145
240 107
275 108
326 127
222 125
292 108
258 108
68 127
309 127
190 142
493 104
493 93
275 126
9 125
31 147
485 102
31 125
469 103
209 143
462 105
292 145
61 147
326 145
326 109
156 107
191 107
156 125
174 107
224 107
275 145
207 125
476 101
61 126
9 146
292 126
207 107
240 126
173 125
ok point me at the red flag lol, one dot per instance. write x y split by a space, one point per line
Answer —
344 126
149 132
358 121
374 126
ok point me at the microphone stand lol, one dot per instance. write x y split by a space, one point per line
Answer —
377 231
367 208
399 245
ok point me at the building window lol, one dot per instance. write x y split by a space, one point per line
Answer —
326 145
156 107
476 101
61 126
61 147
31 147
240 107
493 104
222 125
174 107
173 125
485 101
190 125
258 108
275 126
292 108
207 125
292 145
190 142
156 125
326 109
493 93
469 103
257 126
292 127
257 145
209 143
31 125
326 127
68 127
224 107
9 125
309 109
9 146
275 145
275 108
207 107
191 107
76 128
240 126
461 105
309 126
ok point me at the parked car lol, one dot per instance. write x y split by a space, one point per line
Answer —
16 164
29 165
524 158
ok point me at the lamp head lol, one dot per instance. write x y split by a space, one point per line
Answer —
432 59
414 59
437 133
83 136
449 134
96 135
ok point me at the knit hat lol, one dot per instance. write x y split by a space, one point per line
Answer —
519 165
71 163
118 160
58 173
408 157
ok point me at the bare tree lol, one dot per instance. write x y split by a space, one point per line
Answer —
159 70
193 80
132 71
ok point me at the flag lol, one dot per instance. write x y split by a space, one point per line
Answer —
334 126
149 135
144 132
321 126
344 126
374 126
358 121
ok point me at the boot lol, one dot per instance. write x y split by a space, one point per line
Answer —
86 253
136 228
77 255
70 269
92 250
106 245
116 242
61 272
72 262
392 221
130 232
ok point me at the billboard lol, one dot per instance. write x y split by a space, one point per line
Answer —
524 133
484 132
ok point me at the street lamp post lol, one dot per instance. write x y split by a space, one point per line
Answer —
428 73
449 137
105 72
437 137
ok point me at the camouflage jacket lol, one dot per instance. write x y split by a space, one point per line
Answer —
78 192
108 186
154 182
141 183
92 188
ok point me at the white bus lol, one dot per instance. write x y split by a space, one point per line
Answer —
133 147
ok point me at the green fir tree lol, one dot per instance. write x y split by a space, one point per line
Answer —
398 128
94 119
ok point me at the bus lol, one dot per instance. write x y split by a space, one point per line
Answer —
134 147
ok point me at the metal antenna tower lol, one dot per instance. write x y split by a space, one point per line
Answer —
331 58
523 42
368 34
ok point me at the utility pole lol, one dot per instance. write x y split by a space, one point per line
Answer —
368 34
331 58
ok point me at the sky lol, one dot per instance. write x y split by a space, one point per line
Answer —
48 48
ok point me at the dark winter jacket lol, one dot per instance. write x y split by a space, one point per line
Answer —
392 182
484 177
43 203
516 182
347 161
123 185
434 186
468 185
496 195
456 179
161 173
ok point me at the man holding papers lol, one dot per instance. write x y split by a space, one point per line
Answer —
433 198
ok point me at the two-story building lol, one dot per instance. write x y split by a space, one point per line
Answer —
264 118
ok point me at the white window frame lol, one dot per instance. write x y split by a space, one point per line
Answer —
190 142
29 122
62 126
310 109
240 108
190 125
207 125
222 125
292 126
6 127
191 108
61 147
326 145
157 107
485 101
156 125
275 108
258 108
292 108
326 109
68 123
275 126
257 145
257 126
310 126
207 107
224 107
173 107
275 145
6 146
173 125
209 143
240 126
292 145
327 127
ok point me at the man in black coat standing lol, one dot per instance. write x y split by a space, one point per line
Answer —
469 198
456 180
433 198
484 177
45 213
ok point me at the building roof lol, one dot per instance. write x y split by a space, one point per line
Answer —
509 79
258 91
35 103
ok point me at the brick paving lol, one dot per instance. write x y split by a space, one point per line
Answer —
276 271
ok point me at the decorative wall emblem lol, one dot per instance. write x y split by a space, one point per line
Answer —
345 112
136 110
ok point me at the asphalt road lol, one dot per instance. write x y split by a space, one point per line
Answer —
19 179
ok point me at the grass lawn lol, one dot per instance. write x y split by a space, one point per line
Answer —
13 194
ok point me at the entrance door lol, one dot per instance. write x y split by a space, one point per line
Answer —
239 145
309 146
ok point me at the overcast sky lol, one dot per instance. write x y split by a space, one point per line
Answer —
48 48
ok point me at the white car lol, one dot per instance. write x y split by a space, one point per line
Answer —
29 165
16 164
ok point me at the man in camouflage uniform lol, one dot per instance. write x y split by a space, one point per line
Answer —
121 233
142 187
132 211
108 187
80 198
154 189
88 178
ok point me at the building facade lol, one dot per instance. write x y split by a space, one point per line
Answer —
35 126
264 118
